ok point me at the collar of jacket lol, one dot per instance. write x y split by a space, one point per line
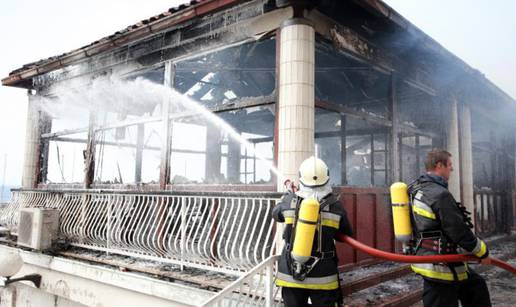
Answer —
430 177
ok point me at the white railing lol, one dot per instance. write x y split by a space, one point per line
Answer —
9 214
230 234
255 288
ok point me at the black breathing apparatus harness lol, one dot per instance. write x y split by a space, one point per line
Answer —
433 239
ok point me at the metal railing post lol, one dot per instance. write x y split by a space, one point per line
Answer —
82 230
183 230
269 286
108 227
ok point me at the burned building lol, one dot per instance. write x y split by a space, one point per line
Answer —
157 142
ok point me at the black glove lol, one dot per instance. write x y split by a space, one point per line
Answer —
466 215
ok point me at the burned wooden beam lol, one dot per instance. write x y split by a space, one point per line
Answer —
343 151
139 153
245 102
117 144
352 112
89 154
364 51
46 127
395 141
166 137
374 119
350 133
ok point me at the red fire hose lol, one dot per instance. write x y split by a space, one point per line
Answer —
422 259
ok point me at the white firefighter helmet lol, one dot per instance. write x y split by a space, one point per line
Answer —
313 172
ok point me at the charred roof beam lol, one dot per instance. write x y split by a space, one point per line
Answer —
359 48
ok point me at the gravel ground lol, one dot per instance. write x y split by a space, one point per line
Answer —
502 286
501 283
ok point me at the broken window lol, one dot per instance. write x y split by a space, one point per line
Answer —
65 159
366 154
258 160
254 157
155 75
364 161
424 146
354 146
203 152
66 116
483 134
217 78
128 135
341 80
418 109
63 125
127 132
115 155
188 154
328 142
408 152
128 154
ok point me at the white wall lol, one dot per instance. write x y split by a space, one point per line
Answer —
72 283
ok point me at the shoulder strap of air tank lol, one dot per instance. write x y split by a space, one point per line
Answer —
327 201
295 202
324 203
413 188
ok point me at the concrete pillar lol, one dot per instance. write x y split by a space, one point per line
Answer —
32 145
466 158
452 145
296 96
8 296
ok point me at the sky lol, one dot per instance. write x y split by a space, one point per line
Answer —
32 30
481 32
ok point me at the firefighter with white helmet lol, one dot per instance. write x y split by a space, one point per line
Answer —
313 218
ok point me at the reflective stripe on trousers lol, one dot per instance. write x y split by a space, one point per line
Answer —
440 271
317 283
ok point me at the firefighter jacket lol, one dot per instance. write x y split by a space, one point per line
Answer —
333 220
441 226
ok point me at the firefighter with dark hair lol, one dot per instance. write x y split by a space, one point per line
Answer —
443 226
313 217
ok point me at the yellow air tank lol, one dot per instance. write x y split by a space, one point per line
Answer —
401 212
305 230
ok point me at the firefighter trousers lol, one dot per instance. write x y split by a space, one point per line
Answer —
296 297
470 292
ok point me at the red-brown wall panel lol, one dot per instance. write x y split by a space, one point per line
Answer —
368 211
